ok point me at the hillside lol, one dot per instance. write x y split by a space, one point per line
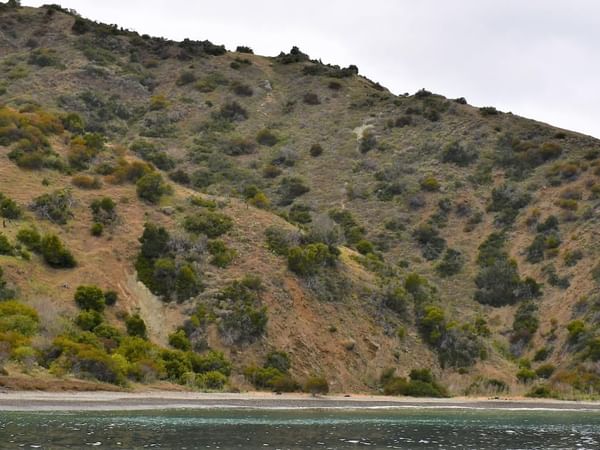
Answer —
239 221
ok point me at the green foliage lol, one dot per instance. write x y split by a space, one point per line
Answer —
368 141
525 324
212 224
291 188
136 326
459 154
6 247
151 187
30 238
545 370
353 232
180 341
300 214
451 264
279 360
87 320
267 137
246 318
316 150
148 151
110 297
55 254
395 298
309 259
96 229
18 318
44 57
506 201
104 210
185 77
9 209
54 206
5 291
316 385
429 239
280 240
222 256
525 375
90 298
420 384
430 184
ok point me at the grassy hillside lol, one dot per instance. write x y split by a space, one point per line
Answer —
279 222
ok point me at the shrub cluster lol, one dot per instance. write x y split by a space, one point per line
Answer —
54 206
274 374
498 281
161 271
420 384
151 187
149 152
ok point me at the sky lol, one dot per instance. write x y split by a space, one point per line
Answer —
535 58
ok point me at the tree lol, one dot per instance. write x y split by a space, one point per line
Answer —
316 385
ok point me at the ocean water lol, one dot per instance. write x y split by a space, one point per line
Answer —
404 428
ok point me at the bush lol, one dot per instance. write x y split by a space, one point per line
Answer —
97 229
55 254
90 298
290 188
451 264
431 243
55 206
104 210
430 184
222 256
18 318
280 241
210 223
148 151
110 297
368 141
266 137
488 111
310 98
9 209
86 182
243 90
278 360
244 49
316 385
545 370
526 375
233 112
506 201
185 77
5 247
316 150
151 187
31 238
180 341
136 326
88 320
308 259
459 154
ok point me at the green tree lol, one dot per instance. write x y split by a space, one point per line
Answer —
90 298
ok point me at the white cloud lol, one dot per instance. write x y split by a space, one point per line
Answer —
536 58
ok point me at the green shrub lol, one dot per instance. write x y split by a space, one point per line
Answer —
280 240
30 238
267 137
110 297
430 184
451 264
87 320
210 223
90 298
525 324
395 298
290 188
96 229
233 112
431 243
525 375
19 318
44 57
316 385
151 187
5 246
459 154
316 150
136 326
9 209
488 111
180 341
368 141
545 370
246 318
540 392
222 256
308 259
310 98
507 200
55 206
55 254
353 231
211 380
300 214
185 77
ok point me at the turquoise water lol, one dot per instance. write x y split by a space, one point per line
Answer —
299 429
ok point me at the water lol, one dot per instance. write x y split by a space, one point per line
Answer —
404 428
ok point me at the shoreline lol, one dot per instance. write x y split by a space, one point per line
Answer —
28 401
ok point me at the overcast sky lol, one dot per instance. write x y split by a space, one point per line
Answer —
536 58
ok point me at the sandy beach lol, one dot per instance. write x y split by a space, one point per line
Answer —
152 400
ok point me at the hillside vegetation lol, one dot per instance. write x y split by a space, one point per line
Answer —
173 212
